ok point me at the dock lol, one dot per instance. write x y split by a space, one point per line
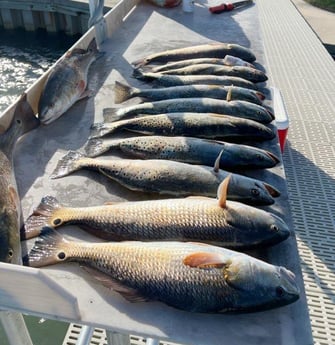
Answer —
292 56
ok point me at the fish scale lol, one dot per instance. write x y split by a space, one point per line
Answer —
188 219
188 276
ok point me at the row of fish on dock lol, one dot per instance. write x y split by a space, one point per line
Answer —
187 250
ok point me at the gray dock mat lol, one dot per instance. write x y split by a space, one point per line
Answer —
303 70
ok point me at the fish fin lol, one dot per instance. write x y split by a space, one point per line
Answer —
217 161
14 197
95 147
205 260
101 129
198 197
50 248
68 164
223 191
93 46
130 294
105 173
272 190
111 114
122 92
229 93
41 216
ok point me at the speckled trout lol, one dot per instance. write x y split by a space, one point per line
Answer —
247 73
221 222
210 126
174 80
187 150
22 122
214 50
240 109
169 177
227 61
123 92
66 83
188 276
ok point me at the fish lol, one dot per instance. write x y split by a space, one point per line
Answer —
239 109
169 177
193 277
214 50
209 126
186 149
175 80
247 73
123 92
227 61
66 83
22 122
215 221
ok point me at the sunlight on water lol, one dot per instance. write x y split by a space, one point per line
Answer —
24 57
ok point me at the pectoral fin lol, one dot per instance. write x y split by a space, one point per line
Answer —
205 260
217 162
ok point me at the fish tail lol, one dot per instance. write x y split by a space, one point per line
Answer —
143 73
50 248
68 164
95 147
101 129
139 63
111 114
122 92
40 217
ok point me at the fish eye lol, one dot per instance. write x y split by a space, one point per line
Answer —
57 221
10 253
18 121
279 291
254 191
260 157
61 255
274 227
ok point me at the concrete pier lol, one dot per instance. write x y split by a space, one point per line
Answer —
69 16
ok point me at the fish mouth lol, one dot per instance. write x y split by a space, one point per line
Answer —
275 159
260 95
272 190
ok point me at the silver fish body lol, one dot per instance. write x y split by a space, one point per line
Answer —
169 177
174 80
188 276
241 109
189 62
247 73
23 121
66 83
187 150
233 225
213 50
210 126
123 92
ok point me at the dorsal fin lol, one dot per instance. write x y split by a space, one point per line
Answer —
223 191
217 162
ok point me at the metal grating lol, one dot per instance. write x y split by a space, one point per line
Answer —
303 70
99 337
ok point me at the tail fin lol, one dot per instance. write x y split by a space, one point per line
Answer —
142 73
40 217
49 249
68 164
122 92
101 129
112 114
95 147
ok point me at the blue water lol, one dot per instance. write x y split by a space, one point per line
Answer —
24 57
